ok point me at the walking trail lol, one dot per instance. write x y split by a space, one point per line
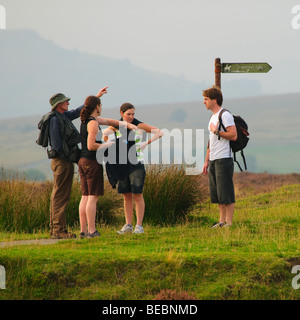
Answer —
27 242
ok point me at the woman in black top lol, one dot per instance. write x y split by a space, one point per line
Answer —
131 186
91 172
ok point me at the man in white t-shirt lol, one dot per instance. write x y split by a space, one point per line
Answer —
219 157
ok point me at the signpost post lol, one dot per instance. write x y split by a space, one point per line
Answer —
243 67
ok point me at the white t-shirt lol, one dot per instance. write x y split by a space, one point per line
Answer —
220 149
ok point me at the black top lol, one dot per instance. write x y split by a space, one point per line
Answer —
129 135
123 143
135 122
85 152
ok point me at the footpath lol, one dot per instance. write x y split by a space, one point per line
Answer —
27 242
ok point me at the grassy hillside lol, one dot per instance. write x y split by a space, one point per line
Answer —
251 260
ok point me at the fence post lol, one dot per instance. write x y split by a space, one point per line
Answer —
218 72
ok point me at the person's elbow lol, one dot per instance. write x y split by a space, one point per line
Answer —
235 136
92 147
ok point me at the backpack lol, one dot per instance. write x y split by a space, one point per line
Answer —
242 139
69 133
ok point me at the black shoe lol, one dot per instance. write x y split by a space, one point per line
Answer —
218 225
93 235
82 235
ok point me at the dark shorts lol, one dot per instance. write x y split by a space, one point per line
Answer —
221 181
91 177
134 183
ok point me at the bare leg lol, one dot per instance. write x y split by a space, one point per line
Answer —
91 208
82 214
139 207
128 207
229 213
222 209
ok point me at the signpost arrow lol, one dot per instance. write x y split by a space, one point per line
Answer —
244 67
261 67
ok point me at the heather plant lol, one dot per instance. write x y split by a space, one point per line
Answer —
168 294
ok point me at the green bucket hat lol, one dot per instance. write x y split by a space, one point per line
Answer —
58 98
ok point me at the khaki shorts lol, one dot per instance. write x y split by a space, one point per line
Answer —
91 177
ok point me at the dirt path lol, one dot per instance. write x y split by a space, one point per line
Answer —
27 242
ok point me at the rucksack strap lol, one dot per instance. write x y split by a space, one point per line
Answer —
221 121
242 154
244 159
234 159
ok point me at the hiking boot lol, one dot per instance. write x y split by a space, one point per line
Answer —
218 225
126 228
138 229
63 235
93 235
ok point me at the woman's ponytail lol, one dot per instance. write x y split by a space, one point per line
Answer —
90 104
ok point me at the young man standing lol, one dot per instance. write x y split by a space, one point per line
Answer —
219 156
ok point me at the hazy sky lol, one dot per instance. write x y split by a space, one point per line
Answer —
178 37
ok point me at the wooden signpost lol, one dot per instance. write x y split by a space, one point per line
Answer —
244 67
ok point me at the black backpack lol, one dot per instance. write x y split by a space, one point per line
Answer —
242 139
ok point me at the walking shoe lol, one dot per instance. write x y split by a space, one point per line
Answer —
226 225
218 225
138 229
93 235
63 235
82 235
126 228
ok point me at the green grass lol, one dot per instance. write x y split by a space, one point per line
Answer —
251 260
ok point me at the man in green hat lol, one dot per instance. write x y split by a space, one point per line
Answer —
61 132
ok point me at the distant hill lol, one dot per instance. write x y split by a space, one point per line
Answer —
32 69
273 124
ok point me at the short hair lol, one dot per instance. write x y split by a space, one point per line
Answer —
214 93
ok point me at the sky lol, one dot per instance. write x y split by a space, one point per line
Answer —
176 37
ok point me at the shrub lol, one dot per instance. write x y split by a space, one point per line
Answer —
24 206
169 194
